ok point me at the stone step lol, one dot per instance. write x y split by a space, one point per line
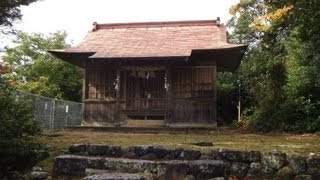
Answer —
75 165
146 152
115 176
90 172
97 174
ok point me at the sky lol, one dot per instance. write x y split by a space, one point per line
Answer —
76 16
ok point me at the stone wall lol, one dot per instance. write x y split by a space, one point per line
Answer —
236 164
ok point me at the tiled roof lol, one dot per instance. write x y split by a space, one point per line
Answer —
153 39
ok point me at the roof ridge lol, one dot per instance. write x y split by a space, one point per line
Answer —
97 26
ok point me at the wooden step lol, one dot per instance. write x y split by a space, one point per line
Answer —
151 129
144 123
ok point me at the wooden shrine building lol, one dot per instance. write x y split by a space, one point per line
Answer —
153 70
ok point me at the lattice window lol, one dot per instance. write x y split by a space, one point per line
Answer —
100 84
182 83
202 79
192 82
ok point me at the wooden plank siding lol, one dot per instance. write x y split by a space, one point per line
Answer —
193 95
100 96
190 98
100 112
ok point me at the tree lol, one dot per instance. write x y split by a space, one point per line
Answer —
38 72
280 69
10 12
18 150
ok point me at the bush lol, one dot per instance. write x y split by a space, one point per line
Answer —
300 115
294 115
18 150
261 118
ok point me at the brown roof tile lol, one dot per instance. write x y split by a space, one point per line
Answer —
153 39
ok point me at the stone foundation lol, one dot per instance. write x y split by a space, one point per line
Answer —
160 162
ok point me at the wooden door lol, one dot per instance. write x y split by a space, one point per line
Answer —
145 90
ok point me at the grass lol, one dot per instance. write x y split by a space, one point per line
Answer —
289 143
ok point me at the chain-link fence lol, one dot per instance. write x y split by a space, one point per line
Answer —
54 114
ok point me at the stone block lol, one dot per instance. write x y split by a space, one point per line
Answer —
97 149
313 163
38 175
206 169
273 161
115 176
141 150
251 156
303 177
239 169
285 173
74 165
114 151
188 154
255 170
230 155
297 163
160 151
78 148
149 156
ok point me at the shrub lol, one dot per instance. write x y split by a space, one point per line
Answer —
300 115
18 150
294 115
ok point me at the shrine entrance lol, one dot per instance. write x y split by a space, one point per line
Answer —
145 94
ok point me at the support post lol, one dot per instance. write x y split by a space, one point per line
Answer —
118 84
168 98
84 93
239 101
53 115
214 88
124 88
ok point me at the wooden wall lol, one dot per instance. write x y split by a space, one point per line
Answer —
193 95
100 95
190 98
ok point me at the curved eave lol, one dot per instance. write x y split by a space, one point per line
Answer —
227 59
75 58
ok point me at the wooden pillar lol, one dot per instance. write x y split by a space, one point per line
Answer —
118 91
84 91
214 88
124 87
168 98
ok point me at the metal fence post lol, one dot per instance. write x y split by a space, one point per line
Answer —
52 115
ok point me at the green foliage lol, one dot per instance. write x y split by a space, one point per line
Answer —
38 72
18 150
280 71
299 115
227 82
227 89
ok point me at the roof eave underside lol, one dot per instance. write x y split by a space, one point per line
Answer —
228 59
